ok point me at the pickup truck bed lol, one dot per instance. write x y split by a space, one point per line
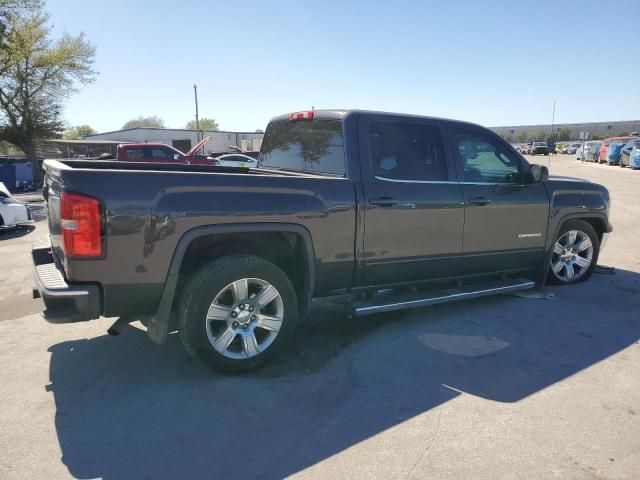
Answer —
344 202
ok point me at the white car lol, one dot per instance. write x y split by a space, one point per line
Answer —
236 160
12 212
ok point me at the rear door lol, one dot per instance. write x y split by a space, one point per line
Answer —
414 209
506 216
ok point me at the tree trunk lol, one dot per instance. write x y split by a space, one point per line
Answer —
36 165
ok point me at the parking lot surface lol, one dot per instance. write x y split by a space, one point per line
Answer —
502 387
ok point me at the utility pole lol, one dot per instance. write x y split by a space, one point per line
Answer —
195 93
553 118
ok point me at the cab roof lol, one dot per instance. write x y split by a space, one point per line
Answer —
340 114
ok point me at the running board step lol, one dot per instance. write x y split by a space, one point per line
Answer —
390 303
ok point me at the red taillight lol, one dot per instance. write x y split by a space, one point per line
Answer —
308 115
80 221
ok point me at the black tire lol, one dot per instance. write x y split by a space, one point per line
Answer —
581 226
204 286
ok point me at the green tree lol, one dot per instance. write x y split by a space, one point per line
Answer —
78 132
541 135
522 137
10 9
149 122
37 74
205 124
563 134
507 137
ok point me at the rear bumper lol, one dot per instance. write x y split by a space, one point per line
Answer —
64 303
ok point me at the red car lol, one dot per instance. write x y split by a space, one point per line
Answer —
161 153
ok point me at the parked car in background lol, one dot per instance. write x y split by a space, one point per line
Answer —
235 160
594 151
584 153
614 150
634 157
602 152
551 144
572 148
625 154
161 153
540 148
13 213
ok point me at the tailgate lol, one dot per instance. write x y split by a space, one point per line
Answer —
76 220
51 192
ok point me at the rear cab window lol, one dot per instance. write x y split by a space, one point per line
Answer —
314 146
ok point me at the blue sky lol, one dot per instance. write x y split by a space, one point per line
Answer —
494 63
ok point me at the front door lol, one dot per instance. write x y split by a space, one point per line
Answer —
414 209
506 215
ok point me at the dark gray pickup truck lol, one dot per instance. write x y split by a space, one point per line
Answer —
394 211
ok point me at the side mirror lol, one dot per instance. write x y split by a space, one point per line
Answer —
176 156
539 173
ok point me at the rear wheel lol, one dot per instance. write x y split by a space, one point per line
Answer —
237 312
575 253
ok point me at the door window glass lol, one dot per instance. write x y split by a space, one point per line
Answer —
161 154
407 151
484 159
134 154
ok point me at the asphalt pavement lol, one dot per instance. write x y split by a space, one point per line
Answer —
497 388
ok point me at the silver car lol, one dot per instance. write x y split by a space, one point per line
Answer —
572 148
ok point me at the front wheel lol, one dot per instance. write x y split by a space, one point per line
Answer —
575 253
237 312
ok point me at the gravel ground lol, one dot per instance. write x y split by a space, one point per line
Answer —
502 387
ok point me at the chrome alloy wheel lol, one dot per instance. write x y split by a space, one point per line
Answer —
244 318
572 256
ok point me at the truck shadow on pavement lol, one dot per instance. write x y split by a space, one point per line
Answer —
16 232
129 409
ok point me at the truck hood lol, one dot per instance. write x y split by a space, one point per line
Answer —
198 146
561 178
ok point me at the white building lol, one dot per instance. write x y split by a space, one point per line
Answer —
595 129
183 139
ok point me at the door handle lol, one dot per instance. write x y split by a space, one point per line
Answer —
383 202
479 201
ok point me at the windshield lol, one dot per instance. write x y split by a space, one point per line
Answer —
539 144
309 146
